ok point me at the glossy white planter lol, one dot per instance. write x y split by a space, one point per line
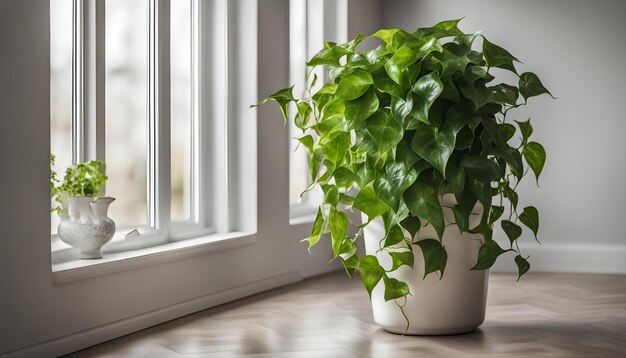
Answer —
452 305
86 225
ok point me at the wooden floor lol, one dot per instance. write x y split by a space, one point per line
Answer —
544 315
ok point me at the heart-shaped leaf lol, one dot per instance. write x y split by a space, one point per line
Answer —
394 236
384 130
401 258
354 85
530 218
412 224
522 266
358 110
435 256
282 97
505 94
487 255
426 91
423 202
434 146
512 230
368 203
535 156
526 128
496 56
400 60
336 147
393 183
371 272
395 289
530 85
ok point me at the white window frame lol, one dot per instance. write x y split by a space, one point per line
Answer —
311 23
224 195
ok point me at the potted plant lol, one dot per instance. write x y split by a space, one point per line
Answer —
417 135
84 222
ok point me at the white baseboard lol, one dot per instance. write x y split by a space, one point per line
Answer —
578 258
81 340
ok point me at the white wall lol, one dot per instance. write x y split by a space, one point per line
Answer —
577 47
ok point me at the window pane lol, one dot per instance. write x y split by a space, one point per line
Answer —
60 89
180 63
126 109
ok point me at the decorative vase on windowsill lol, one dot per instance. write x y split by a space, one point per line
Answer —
86 225
84 222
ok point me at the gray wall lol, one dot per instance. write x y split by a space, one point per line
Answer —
578 48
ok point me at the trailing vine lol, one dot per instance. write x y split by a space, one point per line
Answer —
398 127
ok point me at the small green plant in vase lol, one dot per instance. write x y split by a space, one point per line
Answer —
84 222
419 136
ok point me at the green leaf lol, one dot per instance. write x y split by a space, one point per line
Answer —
423 202
477 92
386 35
347 249
371 272
442 29
522 266
511 195
358 110
316 233
496 56
307 142
526 128
530 218
435 256
504 93
535 156
390 186
365 172
354 85
385 84
344 177
512 230
336 146
461 218
401 258
530 86
434 146
452 60
479 167
394 236
329 55
487 255
331 194
338 224
333 108
400 60
412 224
324 94
368 203
395 289
282 97
496 213
404 153
303 117
426 91
384 130
400 108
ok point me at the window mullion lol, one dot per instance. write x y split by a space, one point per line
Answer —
159 116
78 72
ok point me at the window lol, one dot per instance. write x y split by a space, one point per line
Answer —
311 22
157 90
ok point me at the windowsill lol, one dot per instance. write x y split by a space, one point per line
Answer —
78 269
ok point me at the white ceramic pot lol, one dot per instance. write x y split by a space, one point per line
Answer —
452 305
85 225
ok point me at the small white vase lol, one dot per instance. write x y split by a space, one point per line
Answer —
453 305
85 225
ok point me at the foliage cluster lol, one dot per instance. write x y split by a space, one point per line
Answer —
397 127
81 179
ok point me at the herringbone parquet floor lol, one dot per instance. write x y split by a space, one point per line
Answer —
543 315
